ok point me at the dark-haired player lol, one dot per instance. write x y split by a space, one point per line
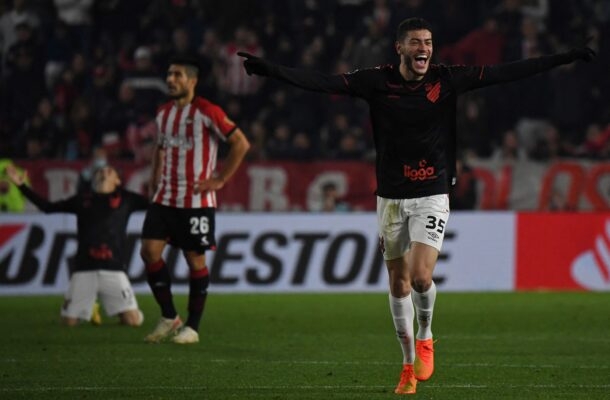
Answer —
413 109
184 182
102 214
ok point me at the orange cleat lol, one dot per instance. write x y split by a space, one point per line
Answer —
407 382
424 359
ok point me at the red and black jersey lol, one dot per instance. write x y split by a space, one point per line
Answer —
414 122
101 224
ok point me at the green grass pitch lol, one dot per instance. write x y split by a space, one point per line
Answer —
314 346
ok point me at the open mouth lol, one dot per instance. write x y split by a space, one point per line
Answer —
420 60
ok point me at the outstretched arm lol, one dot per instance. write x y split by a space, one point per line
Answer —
302 78
41 203
491 75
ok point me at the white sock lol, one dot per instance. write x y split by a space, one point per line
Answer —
424 307
402 314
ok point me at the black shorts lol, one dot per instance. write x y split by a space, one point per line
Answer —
190 229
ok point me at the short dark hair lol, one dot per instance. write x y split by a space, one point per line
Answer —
190 63
411 24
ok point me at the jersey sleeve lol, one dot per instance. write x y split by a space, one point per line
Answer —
66 206
464 78
137 202
221 124
359 82
346 84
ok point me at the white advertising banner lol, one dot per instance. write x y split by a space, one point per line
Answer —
285 252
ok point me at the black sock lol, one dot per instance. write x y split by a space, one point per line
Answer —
160 284
198 293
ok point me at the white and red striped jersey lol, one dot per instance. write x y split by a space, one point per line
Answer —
189 136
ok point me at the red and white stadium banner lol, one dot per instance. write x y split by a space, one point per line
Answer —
301 252
292 186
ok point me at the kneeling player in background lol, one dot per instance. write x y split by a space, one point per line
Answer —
99 270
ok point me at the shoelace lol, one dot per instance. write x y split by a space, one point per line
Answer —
405 376
425 355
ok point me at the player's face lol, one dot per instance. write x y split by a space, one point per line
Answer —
415 52
106 180
179 84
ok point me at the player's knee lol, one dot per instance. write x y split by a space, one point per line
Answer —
421 283
150 255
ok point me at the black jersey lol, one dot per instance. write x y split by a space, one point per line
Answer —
414 122
101 224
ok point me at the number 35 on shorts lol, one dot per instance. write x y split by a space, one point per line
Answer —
435 223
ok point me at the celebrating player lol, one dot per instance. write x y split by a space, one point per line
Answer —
102 215
413 113
183 183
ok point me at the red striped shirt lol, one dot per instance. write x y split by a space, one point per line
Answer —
189 136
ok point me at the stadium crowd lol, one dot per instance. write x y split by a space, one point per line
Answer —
80 75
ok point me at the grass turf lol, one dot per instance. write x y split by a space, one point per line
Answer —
314 346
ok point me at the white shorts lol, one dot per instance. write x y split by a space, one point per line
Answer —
111 287
402 221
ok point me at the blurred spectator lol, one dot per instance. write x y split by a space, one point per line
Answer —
279 145
23 89
76 14
510 150
482 46
257 135
472 125
11 199
121 113
149 89
351 146
597 143
331 199
572 101
41 133
59 52
233 78
302 148
80 130
25 40
19 14
372 49
509 16
141 136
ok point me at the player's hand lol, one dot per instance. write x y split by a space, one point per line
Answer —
207 185
255 65
15 176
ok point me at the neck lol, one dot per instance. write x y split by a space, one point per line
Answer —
183 101
407 74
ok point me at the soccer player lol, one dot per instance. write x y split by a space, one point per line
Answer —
413 109
183 183
102 214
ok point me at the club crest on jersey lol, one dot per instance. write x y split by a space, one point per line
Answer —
433 91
